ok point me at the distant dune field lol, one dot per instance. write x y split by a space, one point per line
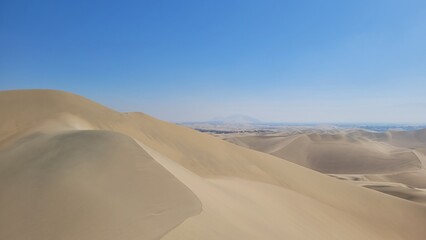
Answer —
392 162
73 169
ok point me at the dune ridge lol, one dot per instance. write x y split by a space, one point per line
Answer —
390 162
174 182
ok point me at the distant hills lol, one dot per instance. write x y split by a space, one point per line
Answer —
236 119
240 121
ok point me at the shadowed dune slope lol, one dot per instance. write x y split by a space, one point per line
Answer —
390 162
88 185
103 184
408 139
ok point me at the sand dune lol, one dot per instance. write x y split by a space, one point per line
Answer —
73 169
393 158
88 185
337 153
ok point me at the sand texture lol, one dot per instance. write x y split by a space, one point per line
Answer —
74 169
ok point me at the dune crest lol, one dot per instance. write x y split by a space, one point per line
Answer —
390 162
73 169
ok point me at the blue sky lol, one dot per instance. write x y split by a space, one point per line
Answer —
284 61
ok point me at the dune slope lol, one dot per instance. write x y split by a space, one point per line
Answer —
73 169
337 154
88 185
380 161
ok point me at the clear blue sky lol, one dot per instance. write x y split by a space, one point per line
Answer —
291 61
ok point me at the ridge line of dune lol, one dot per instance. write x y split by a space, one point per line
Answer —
233 185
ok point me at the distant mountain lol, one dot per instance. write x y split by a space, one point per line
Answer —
236 119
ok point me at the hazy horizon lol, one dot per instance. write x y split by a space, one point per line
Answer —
277 61
260 121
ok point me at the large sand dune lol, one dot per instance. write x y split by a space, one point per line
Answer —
73 169
392 162
335 153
